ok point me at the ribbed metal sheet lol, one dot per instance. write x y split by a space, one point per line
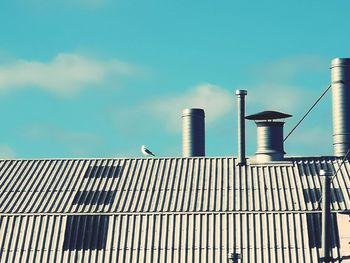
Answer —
167 185
193 237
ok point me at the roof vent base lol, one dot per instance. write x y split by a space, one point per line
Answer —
270 146
269 157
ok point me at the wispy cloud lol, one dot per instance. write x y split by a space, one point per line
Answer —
77 143
289 68
215 100
279 97
292 85
6 152
160 117
65 74
277 85
157 123
311 141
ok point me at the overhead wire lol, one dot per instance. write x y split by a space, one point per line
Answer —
336 173
341 164
307 113
302 119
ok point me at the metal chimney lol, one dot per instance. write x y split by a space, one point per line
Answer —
269 135
241 125
340 70
193 133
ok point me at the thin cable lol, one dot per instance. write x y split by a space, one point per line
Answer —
336 173
307 112
341 164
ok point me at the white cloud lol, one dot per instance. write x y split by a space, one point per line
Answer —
279 97
6 152
215 100
77 143
310 141
277 85
288 68
292 85
65 74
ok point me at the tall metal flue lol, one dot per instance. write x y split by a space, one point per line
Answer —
340 70
241 125
193 133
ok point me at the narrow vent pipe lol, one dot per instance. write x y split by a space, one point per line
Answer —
241 125
340 70
193 133
326 215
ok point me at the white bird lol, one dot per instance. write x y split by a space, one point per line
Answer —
146 152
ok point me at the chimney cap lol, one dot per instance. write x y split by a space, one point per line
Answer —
241 92
193 111
268 115
336 62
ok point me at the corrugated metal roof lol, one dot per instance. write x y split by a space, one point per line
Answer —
208 237
166 185
165 209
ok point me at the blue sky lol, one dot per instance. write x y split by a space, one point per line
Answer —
99 78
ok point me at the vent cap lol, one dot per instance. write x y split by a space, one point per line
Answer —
268 115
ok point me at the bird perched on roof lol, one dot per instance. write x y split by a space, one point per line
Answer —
146 152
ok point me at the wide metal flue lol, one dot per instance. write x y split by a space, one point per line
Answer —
269 135
269 141
241 125
193 133
341 105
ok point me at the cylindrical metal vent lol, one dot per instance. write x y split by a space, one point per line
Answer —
193 133
341 105
241 125
270 141
270 135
